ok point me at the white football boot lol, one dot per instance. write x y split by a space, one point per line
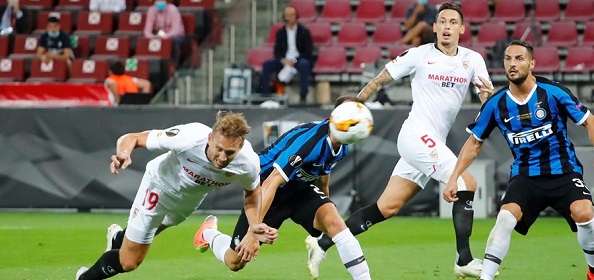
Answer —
315 256
111 233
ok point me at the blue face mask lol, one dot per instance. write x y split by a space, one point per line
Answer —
423 2
160 5
53 34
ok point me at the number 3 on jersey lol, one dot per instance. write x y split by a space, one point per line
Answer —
428 141
151 198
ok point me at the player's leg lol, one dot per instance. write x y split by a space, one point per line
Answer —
499 239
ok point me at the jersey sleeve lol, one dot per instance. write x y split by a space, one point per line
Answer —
479 70
576 111
404 64
177 138
484 123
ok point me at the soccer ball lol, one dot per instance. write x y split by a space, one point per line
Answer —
351 122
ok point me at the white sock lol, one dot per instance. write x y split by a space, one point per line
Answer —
351 254
585 234
218 241
498 244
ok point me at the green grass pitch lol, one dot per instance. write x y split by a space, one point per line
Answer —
52 246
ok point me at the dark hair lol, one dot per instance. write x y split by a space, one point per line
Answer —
117 67
53 19
346 98
524 44
450 6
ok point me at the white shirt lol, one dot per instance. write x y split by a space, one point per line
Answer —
439 83
185 171
292 51
115 6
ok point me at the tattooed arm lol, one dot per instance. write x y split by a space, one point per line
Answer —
374 85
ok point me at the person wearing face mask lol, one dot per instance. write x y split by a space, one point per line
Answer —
55 44
419 21
163 20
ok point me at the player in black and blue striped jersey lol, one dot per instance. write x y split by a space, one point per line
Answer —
531 113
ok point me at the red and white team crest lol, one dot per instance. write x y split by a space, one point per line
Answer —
465 64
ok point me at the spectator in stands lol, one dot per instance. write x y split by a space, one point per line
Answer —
55 44
115 6
118 83
292 49
13 19
419 23
163 20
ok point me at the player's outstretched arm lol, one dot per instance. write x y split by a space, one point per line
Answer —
375 85
124 148
471 149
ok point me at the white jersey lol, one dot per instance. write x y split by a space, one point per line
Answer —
185 171
439 84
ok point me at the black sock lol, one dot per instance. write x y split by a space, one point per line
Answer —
359 222
106 266
463 215
591 269
118 239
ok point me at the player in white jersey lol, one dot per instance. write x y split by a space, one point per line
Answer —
441 74
196 160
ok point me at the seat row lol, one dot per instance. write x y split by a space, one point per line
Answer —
131 5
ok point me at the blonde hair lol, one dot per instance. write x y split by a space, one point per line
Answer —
233 125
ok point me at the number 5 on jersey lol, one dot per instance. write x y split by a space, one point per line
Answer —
428 141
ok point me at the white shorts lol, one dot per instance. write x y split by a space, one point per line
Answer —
152 207
423 155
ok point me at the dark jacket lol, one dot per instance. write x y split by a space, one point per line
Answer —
22 24
303 40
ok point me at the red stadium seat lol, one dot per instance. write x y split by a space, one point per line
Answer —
189 21
386 33
526 30
4 46
25 46
94 23
397 50
352 34
475 11
53 71
579 59
562 34
111 47
336 11
12 70
489 32
588 37
306 10
272 32
321 33
37 4
130 23
43 16
138 68
439 2
398 12
546 10
547 60
331 60
153 48
509 11
364 55
83 46
481 50
371 11
143 5
579 10
258 55
72 5
88 71
465 38
192 5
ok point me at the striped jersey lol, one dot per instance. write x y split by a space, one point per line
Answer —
302 154
534 129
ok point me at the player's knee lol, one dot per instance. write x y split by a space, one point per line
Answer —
236 266
582 214
129 265
470 184
390 208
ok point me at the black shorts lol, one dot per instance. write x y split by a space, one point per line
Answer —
300 205
535 194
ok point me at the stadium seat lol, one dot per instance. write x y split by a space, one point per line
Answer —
579 10
189 21
321 33
43 16
143 5
509 11
489 32
306 10
371 11
336 11
86 71
272 32
258 55
439 2
111 47
526 30
562 34
4 46
153 48
481 50
37 4
352 34
138 68
588 36
579 59
364 55
466 38
25 46
386 33
475 11
331 60
83 46
397 50
130 23
12 70
547 60
53 71
546 10
398 12
193 5
94 23
72 5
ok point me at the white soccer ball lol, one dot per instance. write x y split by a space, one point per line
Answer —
351 122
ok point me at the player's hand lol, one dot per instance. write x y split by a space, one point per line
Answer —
248 247
485 89
119 161
449 193
264 233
